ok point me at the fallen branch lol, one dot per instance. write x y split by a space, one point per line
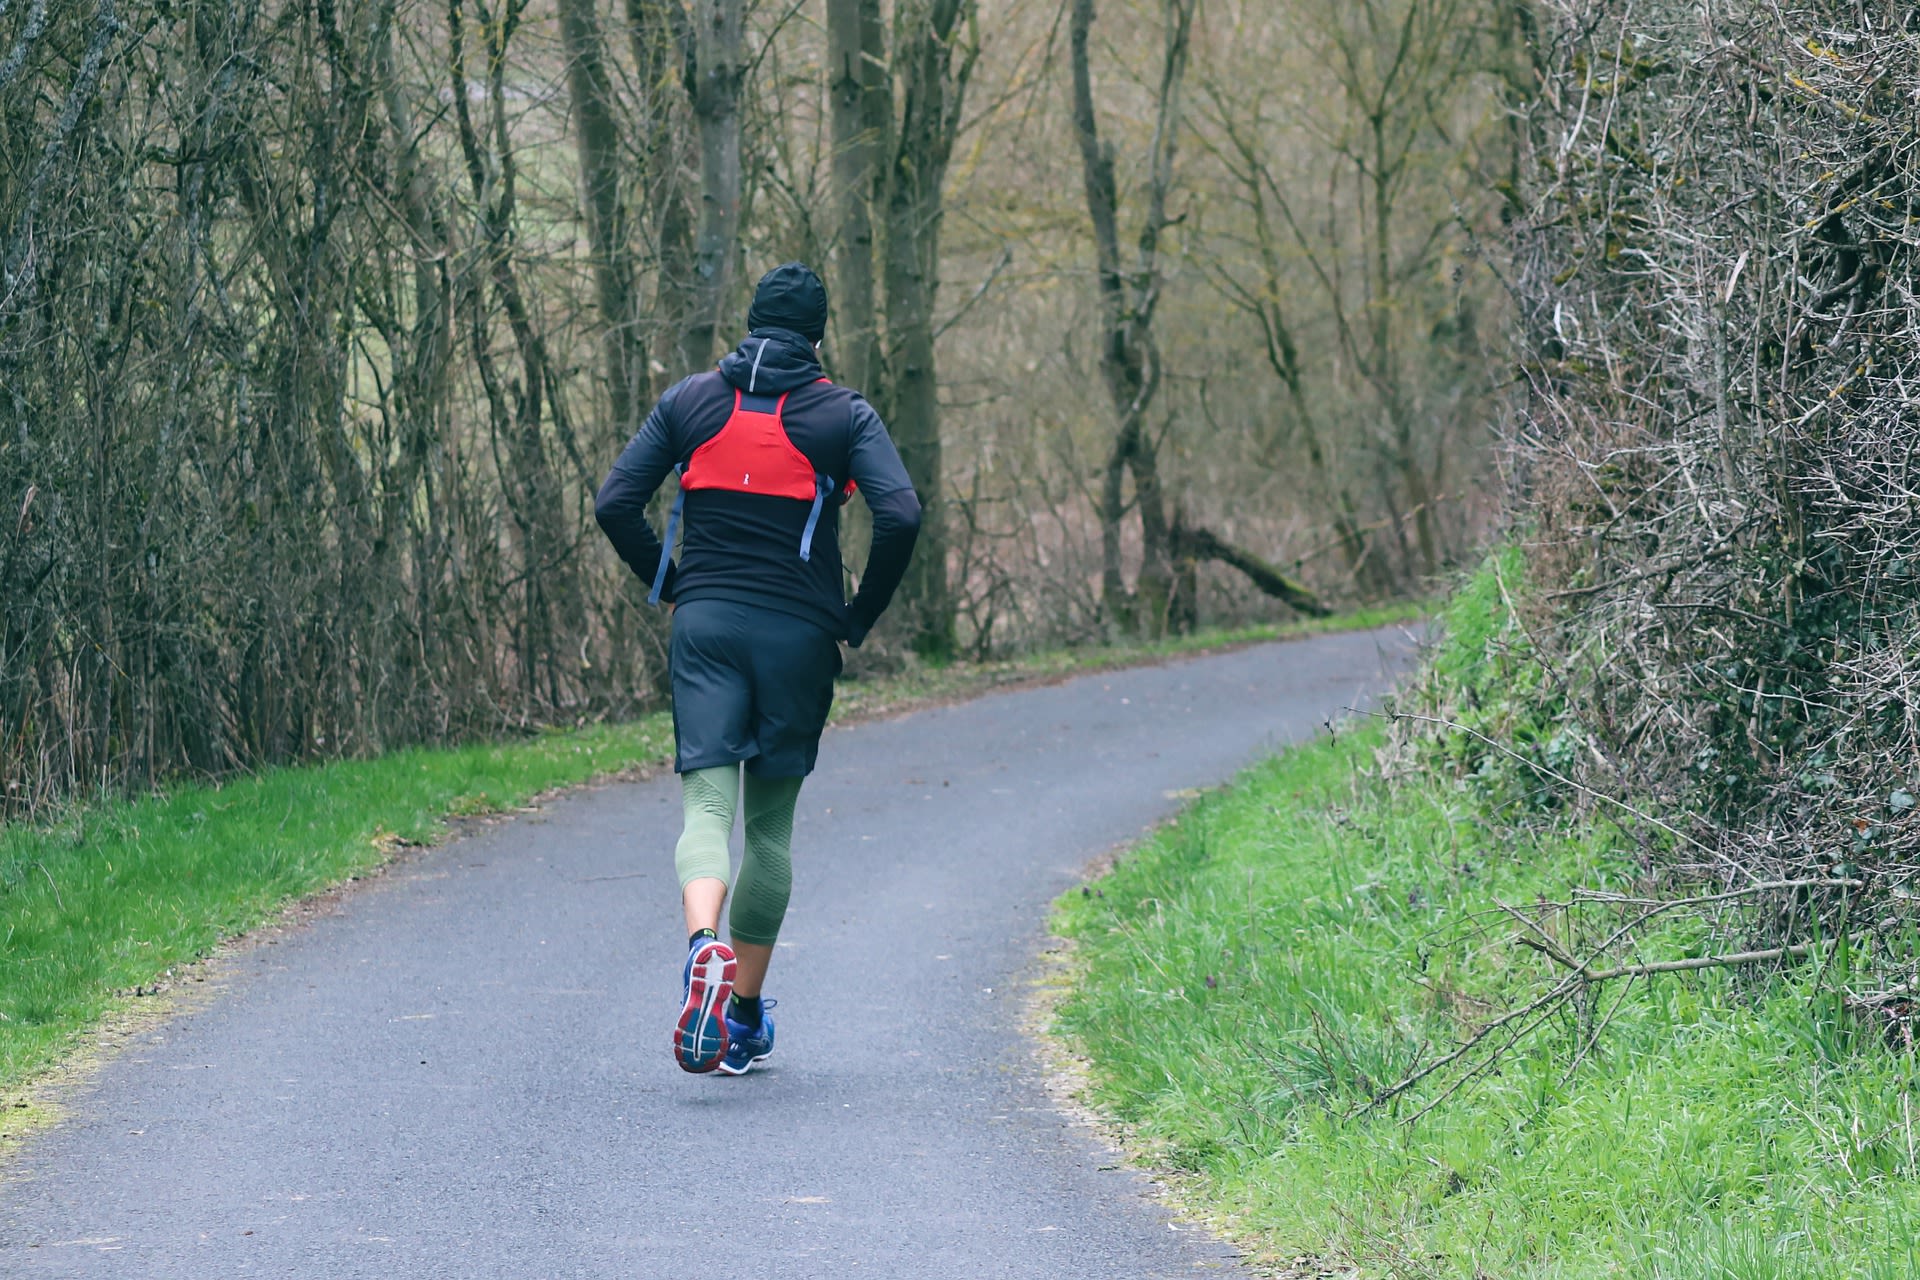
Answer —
1538 1009
1204 544
1560 992
1668 904
1723 961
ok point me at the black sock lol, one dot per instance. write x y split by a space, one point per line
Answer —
702 935
745 1009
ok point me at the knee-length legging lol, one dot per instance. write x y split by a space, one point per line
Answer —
766 875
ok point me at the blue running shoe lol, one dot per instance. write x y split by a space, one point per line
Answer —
700 1037
748 1045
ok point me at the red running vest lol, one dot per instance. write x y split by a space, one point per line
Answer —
751 454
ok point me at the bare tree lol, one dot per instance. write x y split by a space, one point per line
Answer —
660 38
1129 296
1351 192
305 301
519 409
1130 356
1397 63
255 484
715 74
610 230
933 63
862 104
1264 295
896 112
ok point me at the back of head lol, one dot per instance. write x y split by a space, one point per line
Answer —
790 297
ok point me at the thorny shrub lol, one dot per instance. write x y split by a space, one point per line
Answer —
1714 455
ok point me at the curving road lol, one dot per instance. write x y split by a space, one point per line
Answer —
465 1072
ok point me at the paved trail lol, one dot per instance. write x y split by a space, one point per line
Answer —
465 1073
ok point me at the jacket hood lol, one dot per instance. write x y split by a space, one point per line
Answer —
772 362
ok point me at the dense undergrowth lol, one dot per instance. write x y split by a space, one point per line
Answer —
1259 977
1718 331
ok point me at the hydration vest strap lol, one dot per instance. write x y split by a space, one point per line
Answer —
822 486
666 545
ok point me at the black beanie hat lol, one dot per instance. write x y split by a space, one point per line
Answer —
790 297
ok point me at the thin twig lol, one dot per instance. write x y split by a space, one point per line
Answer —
51 885
1688 965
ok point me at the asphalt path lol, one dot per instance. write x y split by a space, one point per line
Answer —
465 1071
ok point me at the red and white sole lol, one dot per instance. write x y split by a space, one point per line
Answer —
700 1037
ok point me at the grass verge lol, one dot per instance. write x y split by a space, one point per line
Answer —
1252 974
99 905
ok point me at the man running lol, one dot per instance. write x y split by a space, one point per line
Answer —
767 450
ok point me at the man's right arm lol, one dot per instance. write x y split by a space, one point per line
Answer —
621 507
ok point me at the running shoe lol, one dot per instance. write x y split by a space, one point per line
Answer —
748 1045
700 1037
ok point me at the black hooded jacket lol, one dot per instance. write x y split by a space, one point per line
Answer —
745 547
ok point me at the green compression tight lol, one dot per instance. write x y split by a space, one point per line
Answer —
766 875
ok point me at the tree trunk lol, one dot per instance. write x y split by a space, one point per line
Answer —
1120 363
861 97
608 233
933 87
660 34
519 409
719 38
410 514
1153 589
862 104
915 404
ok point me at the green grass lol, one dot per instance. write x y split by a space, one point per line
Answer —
1249 976
113 896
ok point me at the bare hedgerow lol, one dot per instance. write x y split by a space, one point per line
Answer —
296 458
1715 469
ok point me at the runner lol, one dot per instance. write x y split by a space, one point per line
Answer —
767 451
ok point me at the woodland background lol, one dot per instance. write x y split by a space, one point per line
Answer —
321 321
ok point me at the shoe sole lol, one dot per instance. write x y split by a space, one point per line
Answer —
700 1037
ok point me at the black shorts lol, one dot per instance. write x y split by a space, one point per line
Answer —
749 684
